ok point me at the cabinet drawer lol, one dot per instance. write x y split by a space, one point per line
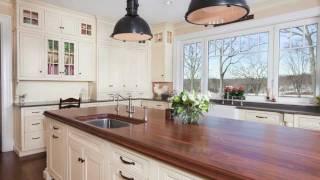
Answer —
264 117
131 162
307 122
119 173
33 124
37 111
155 104
34 140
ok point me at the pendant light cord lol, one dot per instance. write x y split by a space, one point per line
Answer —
132 7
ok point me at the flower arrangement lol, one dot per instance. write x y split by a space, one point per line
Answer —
189 107
230 91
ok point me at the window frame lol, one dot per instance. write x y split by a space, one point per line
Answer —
273 30
277 51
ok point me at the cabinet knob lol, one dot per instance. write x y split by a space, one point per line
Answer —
40 71
81 160
55 137
61 27
80 73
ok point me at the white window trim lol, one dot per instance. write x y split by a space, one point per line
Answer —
260 25
276 61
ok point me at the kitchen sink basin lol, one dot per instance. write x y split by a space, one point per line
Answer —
108 123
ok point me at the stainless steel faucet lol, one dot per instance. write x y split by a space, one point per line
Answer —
130 107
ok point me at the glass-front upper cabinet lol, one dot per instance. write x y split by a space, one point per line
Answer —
53 57
61 60
31 17
69 58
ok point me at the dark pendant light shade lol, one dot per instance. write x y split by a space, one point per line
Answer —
132 27
214 12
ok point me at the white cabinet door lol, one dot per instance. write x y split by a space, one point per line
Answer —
53 22
57 155
69 64
70 25
94 165
307 122
87 61
53 56
75 163
173 174
31 48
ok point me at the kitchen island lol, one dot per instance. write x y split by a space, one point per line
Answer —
217 148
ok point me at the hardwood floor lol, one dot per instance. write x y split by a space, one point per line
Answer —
29 168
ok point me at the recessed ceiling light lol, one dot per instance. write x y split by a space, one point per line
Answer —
168 2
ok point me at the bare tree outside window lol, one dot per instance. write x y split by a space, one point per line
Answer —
240 60
192 67
297 72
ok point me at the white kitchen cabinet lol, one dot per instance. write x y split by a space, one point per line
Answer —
262 117
30 55
87 61
307 122
29 130
162 54
91 158
57 148
62 58
85 159
75 164
123 68
61 23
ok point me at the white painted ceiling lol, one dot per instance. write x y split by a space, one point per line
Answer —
153 11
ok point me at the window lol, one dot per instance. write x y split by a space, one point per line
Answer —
240 61
279 60
297 61
192 62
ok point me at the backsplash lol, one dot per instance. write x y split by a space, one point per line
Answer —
37 91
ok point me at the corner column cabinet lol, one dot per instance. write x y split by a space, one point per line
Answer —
92 158
162 54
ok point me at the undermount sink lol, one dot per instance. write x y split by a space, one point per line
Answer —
108 123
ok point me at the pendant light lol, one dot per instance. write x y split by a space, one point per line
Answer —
132 27
216 12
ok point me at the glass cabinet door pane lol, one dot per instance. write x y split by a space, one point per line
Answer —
53 57
69 59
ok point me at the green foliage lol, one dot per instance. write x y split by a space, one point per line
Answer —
318 100
189 107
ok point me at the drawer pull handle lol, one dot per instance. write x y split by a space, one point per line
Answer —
35 124
125 177
55 128
35 112
55 137
159 105
35 138
126 162
261 117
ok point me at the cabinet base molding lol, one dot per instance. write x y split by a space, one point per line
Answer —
21 153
